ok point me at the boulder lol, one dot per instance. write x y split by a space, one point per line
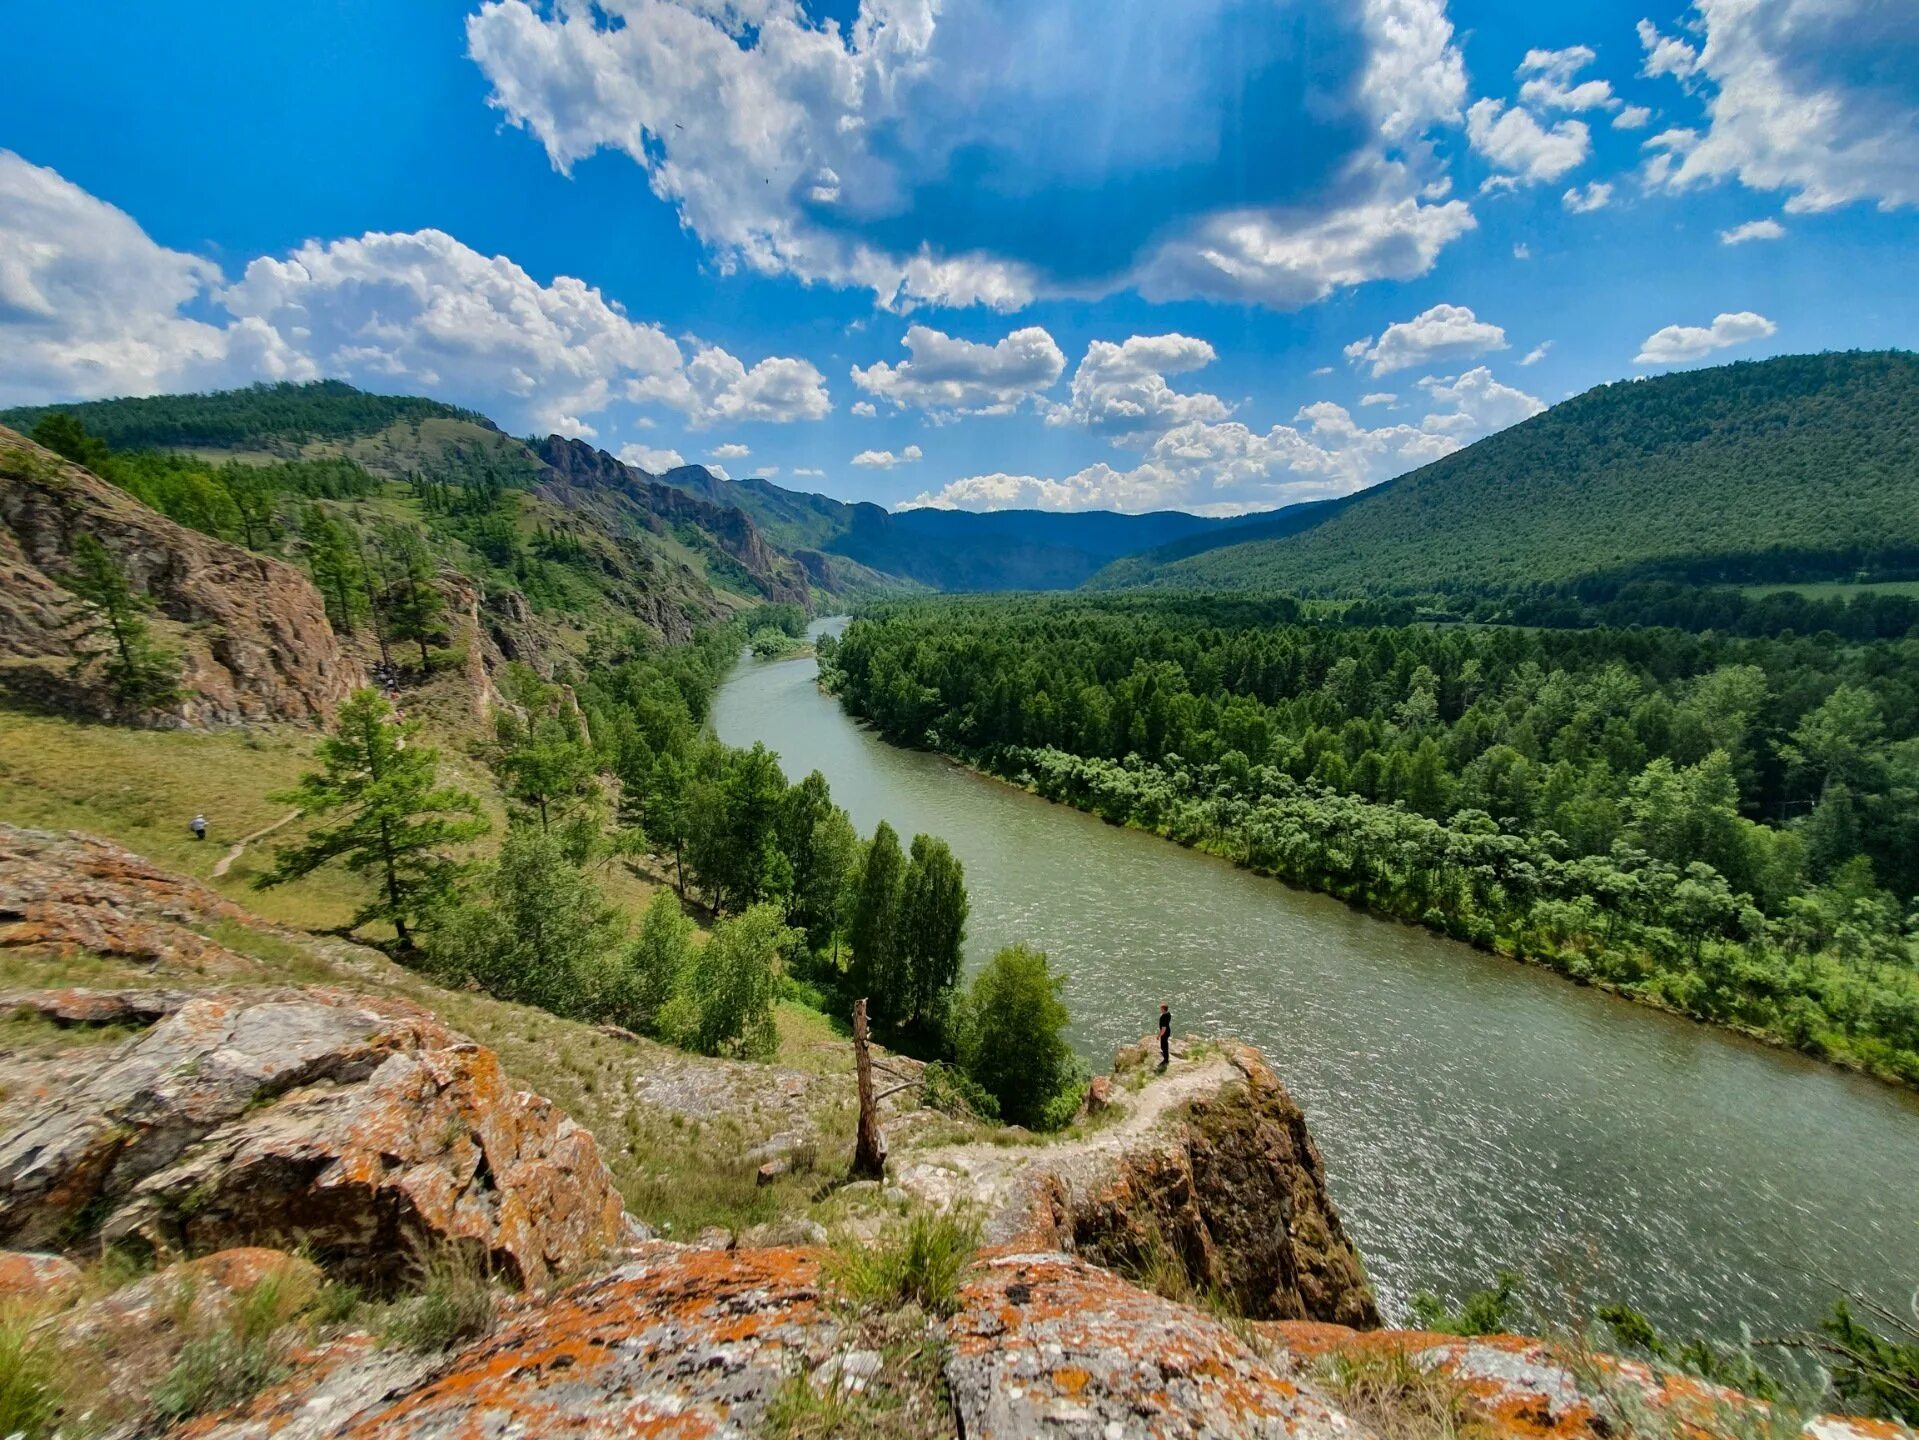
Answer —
1100 1094
360 1129
28 1276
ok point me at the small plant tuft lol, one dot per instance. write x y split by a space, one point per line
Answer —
237 1356
916 1262
454 1301
29 1378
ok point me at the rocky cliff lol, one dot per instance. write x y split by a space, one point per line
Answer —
251 630
580 477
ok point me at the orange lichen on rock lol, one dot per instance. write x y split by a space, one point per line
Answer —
33 1277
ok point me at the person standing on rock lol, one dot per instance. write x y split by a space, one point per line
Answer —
1165 1036
199 827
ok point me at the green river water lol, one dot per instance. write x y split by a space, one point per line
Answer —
1473 1113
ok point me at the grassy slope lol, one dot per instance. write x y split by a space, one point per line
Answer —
1818 452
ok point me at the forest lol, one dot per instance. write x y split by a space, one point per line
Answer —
1803 467
1725 826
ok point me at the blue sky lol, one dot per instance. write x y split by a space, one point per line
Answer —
1220 255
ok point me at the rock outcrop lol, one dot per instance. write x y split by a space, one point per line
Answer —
361 1129
251 630
1209 1166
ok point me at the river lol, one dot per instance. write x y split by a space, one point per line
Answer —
1473 1112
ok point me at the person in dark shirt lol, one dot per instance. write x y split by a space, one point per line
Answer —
1165 1037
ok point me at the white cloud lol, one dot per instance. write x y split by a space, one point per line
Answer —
718 472
1289 259
1445 332
865 409
1678 343
886 459
1226 468
1120 390
783 141
1752 230
1665 54
1632 117
90 306
1537 353
731 451
1526 152
1596 195
808 471
1553 85
965 377
1522 251
1813 97
654 462
1378 397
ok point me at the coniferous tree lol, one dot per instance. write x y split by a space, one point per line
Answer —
110 629
414 608
395 821
334 565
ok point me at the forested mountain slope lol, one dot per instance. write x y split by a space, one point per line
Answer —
957 549
1800 467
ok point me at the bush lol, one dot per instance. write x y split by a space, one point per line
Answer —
951 1090
726 1006
1482 1312
454 1301
918 1262
1013 1039
242 1353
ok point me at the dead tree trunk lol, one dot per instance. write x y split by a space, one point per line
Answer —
869 1151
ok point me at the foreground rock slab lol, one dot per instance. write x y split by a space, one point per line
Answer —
361 1129
1049 1345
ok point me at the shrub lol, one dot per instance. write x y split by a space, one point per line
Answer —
917 1262
454 1300
1013 1039
237 1355
1482 1312
951 1090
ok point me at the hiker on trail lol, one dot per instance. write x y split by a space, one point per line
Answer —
199 827
1165 1037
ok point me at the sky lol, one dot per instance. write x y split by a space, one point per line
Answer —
1213 255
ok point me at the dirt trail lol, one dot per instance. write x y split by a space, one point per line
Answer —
1000 1178
225 862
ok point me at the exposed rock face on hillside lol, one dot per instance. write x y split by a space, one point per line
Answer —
1209 1165
251 630
579 475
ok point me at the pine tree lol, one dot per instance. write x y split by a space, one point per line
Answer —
140 674
396 822
334 565
413 604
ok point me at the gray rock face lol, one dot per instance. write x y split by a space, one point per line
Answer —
360 1128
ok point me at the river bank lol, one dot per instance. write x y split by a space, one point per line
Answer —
1474 1113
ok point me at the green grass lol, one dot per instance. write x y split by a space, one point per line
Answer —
454 1301
916 1262
236 1356
1389 1393
30 1398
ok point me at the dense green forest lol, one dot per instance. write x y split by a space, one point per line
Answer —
1726 826
264 415
1802 467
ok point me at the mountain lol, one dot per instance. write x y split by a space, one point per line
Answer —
955 549
1801 467
1270 525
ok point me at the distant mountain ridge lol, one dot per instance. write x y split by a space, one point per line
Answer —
1794 468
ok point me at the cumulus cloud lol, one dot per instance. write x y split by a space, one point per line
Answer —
1632 117
964 377
1120 390
654 462
731 451
1678 343
89 305
1378 397
1229 467
1816 98
797 145
1583 200
865 409
1445 332
1752 230
1526 152
886 459
1553 82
